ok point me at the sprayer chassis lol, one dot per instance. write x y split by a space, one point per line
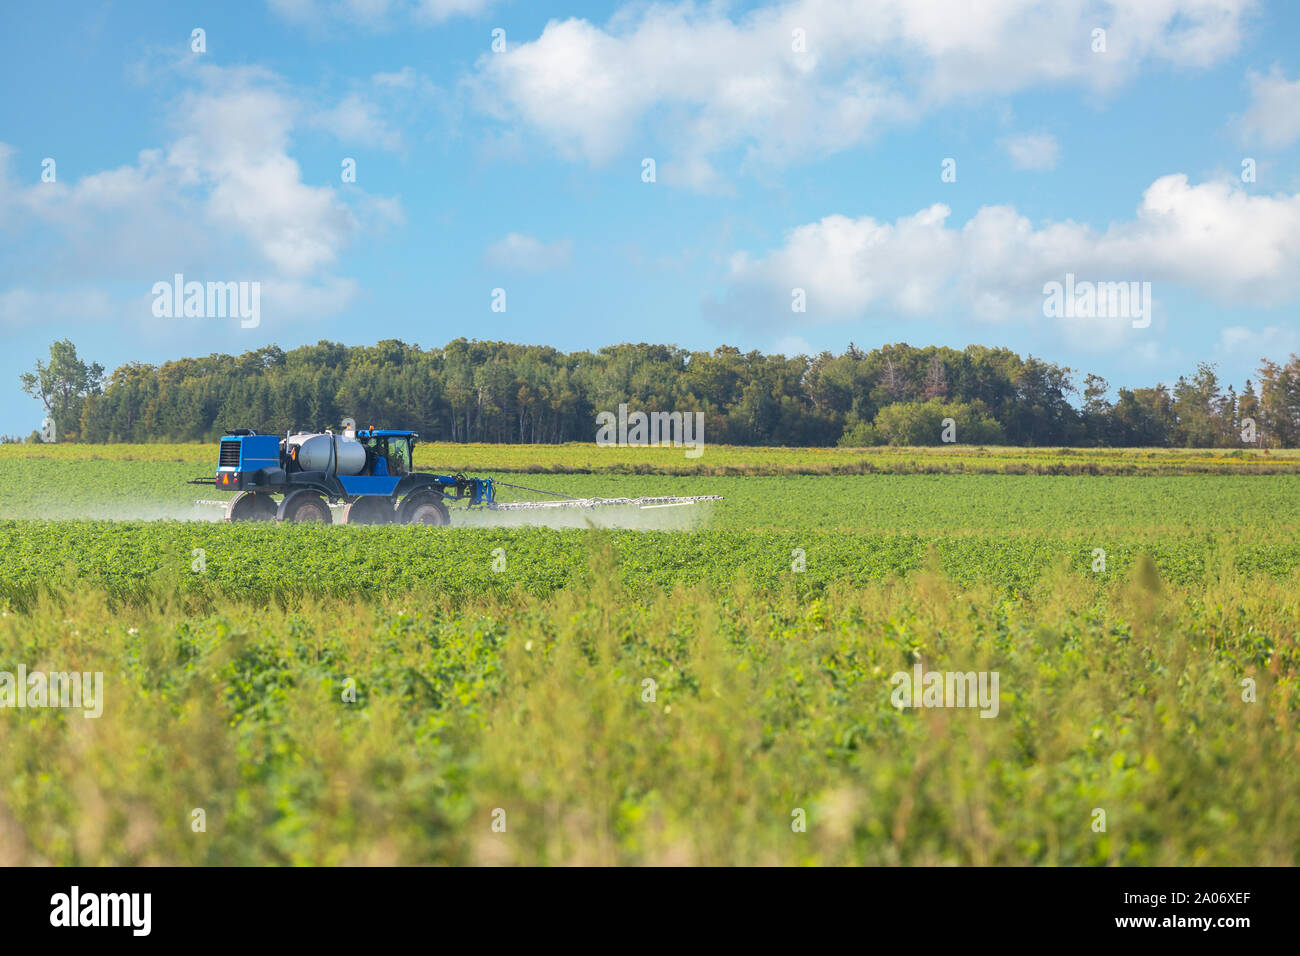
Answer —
260 466
349 488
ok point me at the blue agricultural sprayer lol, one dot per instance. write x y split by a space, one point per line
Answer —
370 473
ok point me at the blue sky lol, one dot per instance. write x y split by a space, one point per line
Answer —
797 145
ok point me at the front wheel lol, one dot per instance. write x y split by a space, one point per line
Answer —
423 507
251 506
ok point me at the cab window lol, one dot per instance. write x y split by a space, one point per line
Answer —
399 456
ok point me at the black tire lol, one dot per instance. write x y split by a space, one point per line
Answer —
251 506
369 509
423 507
305 507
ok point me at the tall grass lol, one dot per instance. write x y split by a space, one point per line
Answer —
533 711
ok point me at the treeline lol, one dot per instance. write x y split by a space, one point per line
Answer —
500 392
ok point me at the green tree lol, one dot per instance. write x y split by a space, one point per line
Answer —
1279 402
1248 409
1203 413
1143 417
63 386
923 423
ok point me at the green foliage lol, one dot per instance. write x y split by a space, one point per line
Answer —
927 423
63 386
138 562
859 434
763 702
505 393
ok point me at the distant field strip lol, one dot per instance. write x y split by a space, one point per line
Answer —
1266 505
588 458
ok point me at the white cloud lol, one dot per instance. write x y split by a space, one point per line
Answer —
233 143
1212 238
1033 151
521 253
706 83
846 266
222 201
1273 117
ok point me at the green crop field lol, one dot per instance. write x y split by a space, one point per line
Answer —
695 685
745 459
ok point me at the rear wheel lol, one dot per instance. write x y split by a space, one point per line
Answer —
305 507
371 509
251 506
423 507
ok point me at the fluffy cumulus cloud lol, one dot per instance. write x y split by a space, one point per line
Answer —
806 77
1212 238
521 253
233 145
223 200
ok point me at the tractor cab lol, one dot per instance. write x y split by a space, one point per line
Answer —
388 451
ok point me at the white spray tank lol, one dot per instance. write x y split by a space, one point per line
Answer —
336 454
